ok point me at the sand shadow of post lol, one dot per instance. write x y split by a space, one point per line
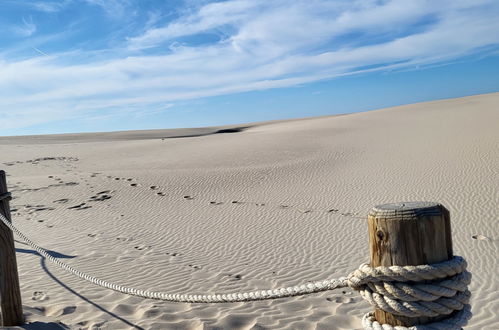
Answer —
42 325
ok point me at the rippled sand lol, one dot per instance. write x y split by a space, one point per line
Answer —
240 208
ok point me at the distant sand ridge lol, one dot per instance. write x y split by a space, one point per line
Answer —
245 207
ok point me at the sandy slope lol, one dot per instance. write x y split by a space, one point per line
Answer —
258 216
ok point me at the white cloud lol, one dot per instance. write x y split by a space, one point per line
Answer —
26 29
265 45
45 6
49 6
208 17
113 8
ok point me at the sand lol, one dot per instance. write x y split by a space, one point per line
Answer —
261 206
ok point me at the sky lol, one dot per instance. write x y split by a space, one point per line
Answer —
105 65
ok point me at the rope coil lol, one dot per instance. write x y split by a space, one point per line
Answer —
394 289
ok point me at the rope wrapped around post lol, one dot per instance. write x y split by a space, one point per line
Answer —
400 290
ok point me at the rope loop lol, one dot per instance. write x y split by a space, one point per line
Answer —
367 274
439 289
454 322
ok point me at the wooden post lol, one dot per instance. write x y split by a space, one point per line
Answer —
10 294
402 234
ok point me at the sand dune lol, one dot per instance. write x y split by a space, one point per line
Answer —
265 205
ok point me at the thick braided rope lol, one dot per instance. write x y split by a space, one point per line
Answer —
383 287
443 291
386 288
455 322
298 290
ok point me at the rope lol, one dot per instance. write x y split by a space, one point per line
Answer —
311 287
456 322
388 288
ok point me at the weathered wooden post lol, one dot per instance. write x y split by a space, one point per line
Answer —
402 234
10 294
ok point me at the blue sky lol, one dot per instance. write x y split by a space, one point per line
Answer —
103 65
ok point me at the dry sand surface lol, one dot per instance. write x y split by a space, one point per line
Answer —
273 204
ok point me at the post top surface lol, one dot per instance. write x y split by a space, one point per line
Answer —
406 210
405 206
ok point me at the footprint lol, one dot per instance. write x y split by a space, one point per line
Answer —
480 237
216 203
236 202
104 192
43 209
129 179
304 211
160 193
332 210
154 187
39 296
37 208
284 206
260 204
61 201
134 184
81 206
124 239
57 311
142 247
188 198
68 310
342 300
100 198
235 277
91 235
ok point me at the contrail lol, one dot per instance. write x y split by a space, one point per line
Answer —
39 51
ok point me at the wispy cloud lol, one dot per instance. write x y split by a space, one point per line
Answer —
242 45
207 18
26 29
113 8
48 6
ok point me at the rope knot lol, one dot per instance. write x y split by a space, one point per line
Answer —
415 291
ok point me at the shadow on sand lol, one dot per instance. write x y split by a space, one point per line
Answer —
53 325
220 131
